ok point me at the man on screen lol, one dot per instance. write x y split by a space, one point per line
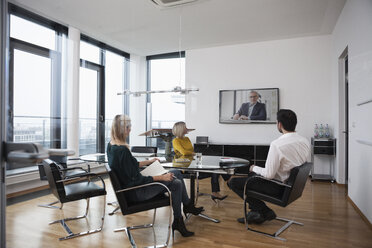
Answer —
252 110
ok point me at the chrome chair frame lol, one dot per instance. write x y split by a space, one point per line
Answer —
63 221
288 222
71 179
129 228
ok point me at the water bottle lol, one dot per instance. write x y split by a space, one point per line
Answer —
327 134
321 131
316 131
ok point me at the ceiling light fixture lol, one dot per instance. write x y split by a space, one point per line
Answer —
177 89
171 3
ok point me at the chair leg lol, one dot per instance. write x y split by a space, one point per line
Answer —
74 235
114 204
50 205
87 208
115 210
153 217
130 236
278 232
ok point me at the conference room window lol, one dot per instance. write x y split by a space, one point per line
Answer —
90 82
35 82
115 82
103 73
166 71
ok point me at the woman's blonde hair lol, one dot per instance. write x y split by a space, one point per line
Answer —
119 125
179 128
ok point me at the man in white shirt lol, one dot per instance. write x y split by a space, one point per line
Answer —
286 152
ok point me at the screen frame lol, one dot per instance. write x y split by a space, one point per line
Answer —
224 121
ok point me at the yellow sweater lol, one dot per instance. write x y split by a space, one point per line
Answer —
182 146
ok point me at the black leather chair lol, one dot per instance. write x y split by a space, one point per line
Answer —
128 207
144 149
291 191
59 156
136 149
79 187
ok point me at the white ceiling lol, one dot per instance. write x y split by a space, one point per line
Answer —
142 28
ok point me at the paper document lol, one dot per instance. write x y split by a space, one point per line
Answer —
154 169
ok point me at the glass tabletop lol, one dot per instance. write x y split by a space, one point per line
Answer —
208 162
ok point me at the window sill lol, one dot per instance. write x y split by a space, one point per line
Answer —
23 170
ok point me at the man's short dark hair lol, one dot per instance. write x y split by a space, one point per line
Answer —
288 119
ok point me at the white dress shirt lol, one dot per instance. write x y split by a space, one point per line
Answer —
288 151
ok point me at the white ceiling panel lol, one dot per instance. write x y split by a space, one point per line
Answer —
141 27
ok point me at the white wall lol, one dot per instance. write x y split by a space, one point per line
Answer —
353 30
298 67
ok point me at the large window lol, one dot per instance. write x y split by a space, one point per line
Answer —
38 90
165 73
102 76
31 120
90 75
35 85
115 79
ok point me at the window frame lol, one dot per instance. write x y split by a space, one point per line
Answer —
173 55
100 121
102 86
55 104
54 55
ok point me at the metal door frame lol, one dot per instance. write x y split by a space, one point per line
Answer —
3 108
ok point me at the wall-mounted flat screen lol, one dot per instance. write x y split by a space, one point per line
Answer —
249 105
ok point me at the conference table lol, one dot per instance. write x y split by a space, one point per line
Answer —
209 164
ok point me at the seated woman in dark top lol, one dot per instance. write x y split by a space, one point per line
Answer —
126 167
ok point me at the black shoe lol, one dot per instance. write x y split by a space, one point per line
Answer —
253 217
269 215
190 208
241 220
215 198
179 225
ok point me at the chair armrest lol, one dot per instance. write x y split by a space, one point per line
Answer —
82 175
74 168
144 185
74 159
269 180
264 179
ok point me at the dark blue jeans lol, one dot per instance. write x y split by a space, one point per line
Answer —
177 188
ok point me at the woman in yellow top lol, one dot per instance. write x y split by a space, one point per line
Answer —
183 148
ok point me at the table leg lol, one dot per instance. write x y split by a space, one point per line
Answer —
192 188
192 198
